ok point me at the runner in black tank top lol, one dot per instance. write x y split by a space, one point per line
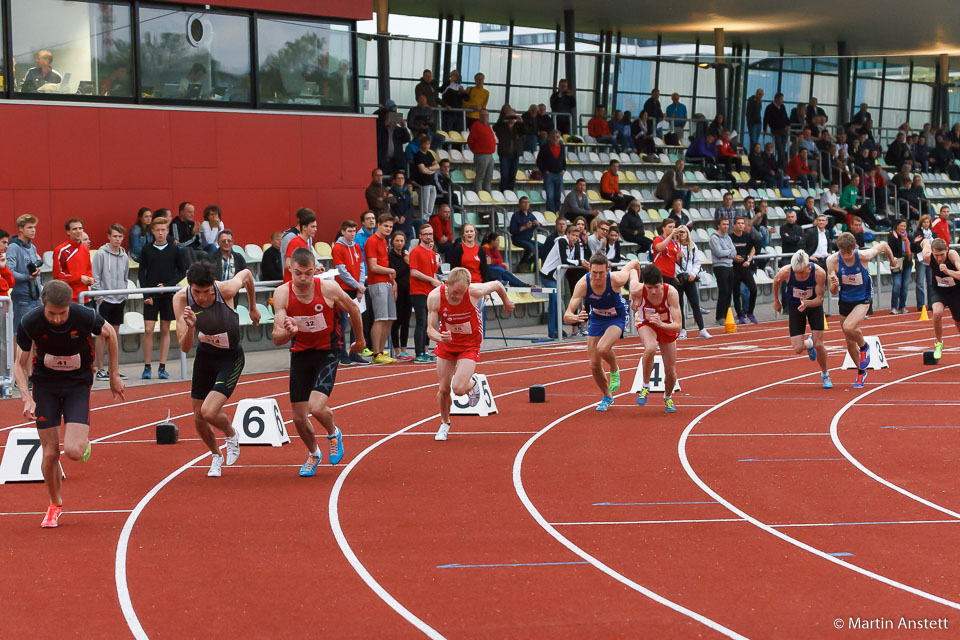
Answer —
945 290
803 284
208 307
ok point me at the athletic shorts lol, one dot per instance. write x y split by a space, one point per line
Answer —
950 301
312 370
112 312
663 337
447 352
845 308
218 373
56 400
384 305
799 319
162 306
598 326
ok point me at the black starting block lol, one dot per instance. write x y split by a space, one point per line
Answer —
167 433
929 359
538 393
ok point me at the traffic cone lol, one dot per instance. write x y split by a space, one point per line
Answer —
729 326
825 327
923 314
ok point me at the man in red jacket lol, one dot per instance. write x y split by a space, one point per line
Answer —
941 226
483 144
71 260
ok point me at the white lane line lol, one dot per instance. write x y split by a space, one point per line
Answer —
748 435
40 513
777 526
835 436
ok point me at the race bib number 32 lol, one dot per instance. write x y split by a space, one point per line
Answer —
311 324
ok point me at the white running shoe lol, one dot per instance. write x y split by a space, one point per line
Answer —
473 396
442 433
233 448
705 334
683 334
216 463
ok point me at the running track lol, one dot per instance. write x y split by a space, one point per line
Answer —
766 507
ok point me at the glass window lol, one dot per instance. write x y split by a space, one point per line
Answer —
304 62
194 55
674 78
65 47
921 101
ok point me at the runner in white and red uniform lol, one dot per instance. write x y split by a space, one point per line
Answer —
454 323
658 323
308 312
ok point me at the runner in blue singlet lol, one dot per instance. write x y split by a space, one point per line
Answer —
803 285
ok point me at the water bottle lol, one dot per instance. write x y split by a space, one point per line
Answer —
6 387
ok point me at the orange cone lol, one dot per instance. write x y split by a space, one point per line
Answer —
729 326
825 327
923 314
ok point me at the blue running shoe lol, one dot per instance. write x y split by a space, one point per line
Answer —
865 356
605 403
336 446
642 396
310 466
812 351
668 405
827 382
147 374
162 373
861 378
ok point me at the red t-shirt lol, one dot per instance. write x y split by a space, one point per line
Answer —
424 261
471 262
376 247
351 257
666 260
294 244
318 323
481 138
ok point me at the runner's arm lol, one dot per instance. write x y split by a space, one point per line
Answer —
343 301
881 247
621 278
282 332
185 318
20 375
242 280
819 290
779 279
952 258
926 251
109 334
433 318
572 315
834 279
487 288
673 300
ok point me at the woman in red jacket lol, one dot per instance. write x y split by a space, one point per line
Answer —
6 276
726 154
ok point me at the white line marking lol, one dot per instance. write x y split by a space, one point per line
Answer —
748 435
40 513
776 526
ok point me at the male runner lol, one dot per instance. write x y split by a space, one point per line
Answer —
803 287
454 323
945 292
848 274
208 306
607 316
310 319
658 323
62 332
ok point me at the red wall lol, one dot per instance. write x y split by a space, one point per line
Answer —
355 9
102 164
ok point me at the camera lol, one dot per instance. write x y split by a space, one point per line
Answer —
34 266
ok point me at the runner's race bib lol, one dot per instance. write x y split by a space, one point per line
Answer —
61 363
946 282
462 328
311 324
802 294
854 280
604 312
218 340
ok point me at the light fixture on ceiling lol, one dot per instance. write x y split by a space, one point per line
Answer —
704 65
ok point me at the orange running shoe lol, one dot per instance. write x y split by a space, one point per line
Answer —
53 514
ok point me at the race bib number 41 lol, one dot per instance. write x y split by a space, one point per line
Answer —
61 363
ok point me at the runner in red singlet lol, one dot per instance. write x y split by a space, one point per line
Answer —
308 315
454 323
658 323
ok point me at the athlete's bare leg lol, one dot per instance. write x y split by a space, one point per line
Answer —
938 321
165 341
207 415
669 352
463 377
799 344
852 332
75 440
649 338
445 371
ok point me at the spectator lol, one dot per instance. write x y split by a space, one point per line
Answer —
900 269
755 118
817 241
451 95
598 128
830 203
597 240
111 267
468 254
760 173
41 74
689 266
348 261
495 265
727 156
814 111
565 251
576 203
863 115
483 144
856 229
631 228
726 209
897 151
672 186
676 115
715 128
653 109
71 261
291 233
798 118
704 149
422 122
875 189
809 212
24 263
161 265
770 159
475 98
7 281
399 259
916 199
544 124
761 224
308 229
271 265
611 248
775 120
531 131
941 227
621 127
140 233
381 280
426 166
443 182
402 206
523 226
807 142
442 231
508 130
641 132
423 279
85 240
392 134
559 230
229 263
943 159
677 214
610 186
924 273
184 228
210 228
563 103
799 171
378 196
791 237
426 88
743 270
666 251
723 251
552 162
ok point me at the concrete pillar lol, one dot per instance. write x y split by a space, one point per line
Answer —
944 95
719 62
383 50
570 59
844 113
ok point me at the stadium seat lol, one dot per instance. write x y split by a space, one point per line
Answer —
254 253
323 249
550 216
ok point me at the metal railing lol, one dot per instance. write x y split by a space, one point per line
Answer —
9 347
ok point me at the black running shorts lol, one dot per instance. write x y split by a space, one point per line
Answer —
312 370
218 373
66 399
800 319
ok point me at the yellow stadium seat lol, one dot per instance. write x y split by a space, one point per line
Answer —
323 249
550 216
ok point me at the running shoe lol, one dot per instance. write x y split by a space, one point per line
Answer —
827 382
668 405
403 356
86 454
937 350
642 396
386 354
162 373
336 446
433 357
382 359
894 312
473 396
216 462
752 318
442 432
683 334
614 381
861 378
233 448
310 466
605 403
865 356
345 361
102 375
423 359
741 320
705 334
356 358
366 352
812 351
53 514
147 374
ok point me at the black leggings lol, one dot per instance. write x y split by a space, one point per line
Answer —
419 304
367 318
400 330
744 276
724 276
689 290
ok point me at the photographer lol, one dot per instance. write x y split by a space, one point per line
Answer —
24 261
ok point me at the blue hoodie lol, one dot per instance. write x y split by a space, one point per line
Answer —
19 255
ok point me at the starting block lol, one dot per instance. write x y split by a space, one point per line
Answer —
657 379
538 393
258 421
929 359
22 457
486 406
877 358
